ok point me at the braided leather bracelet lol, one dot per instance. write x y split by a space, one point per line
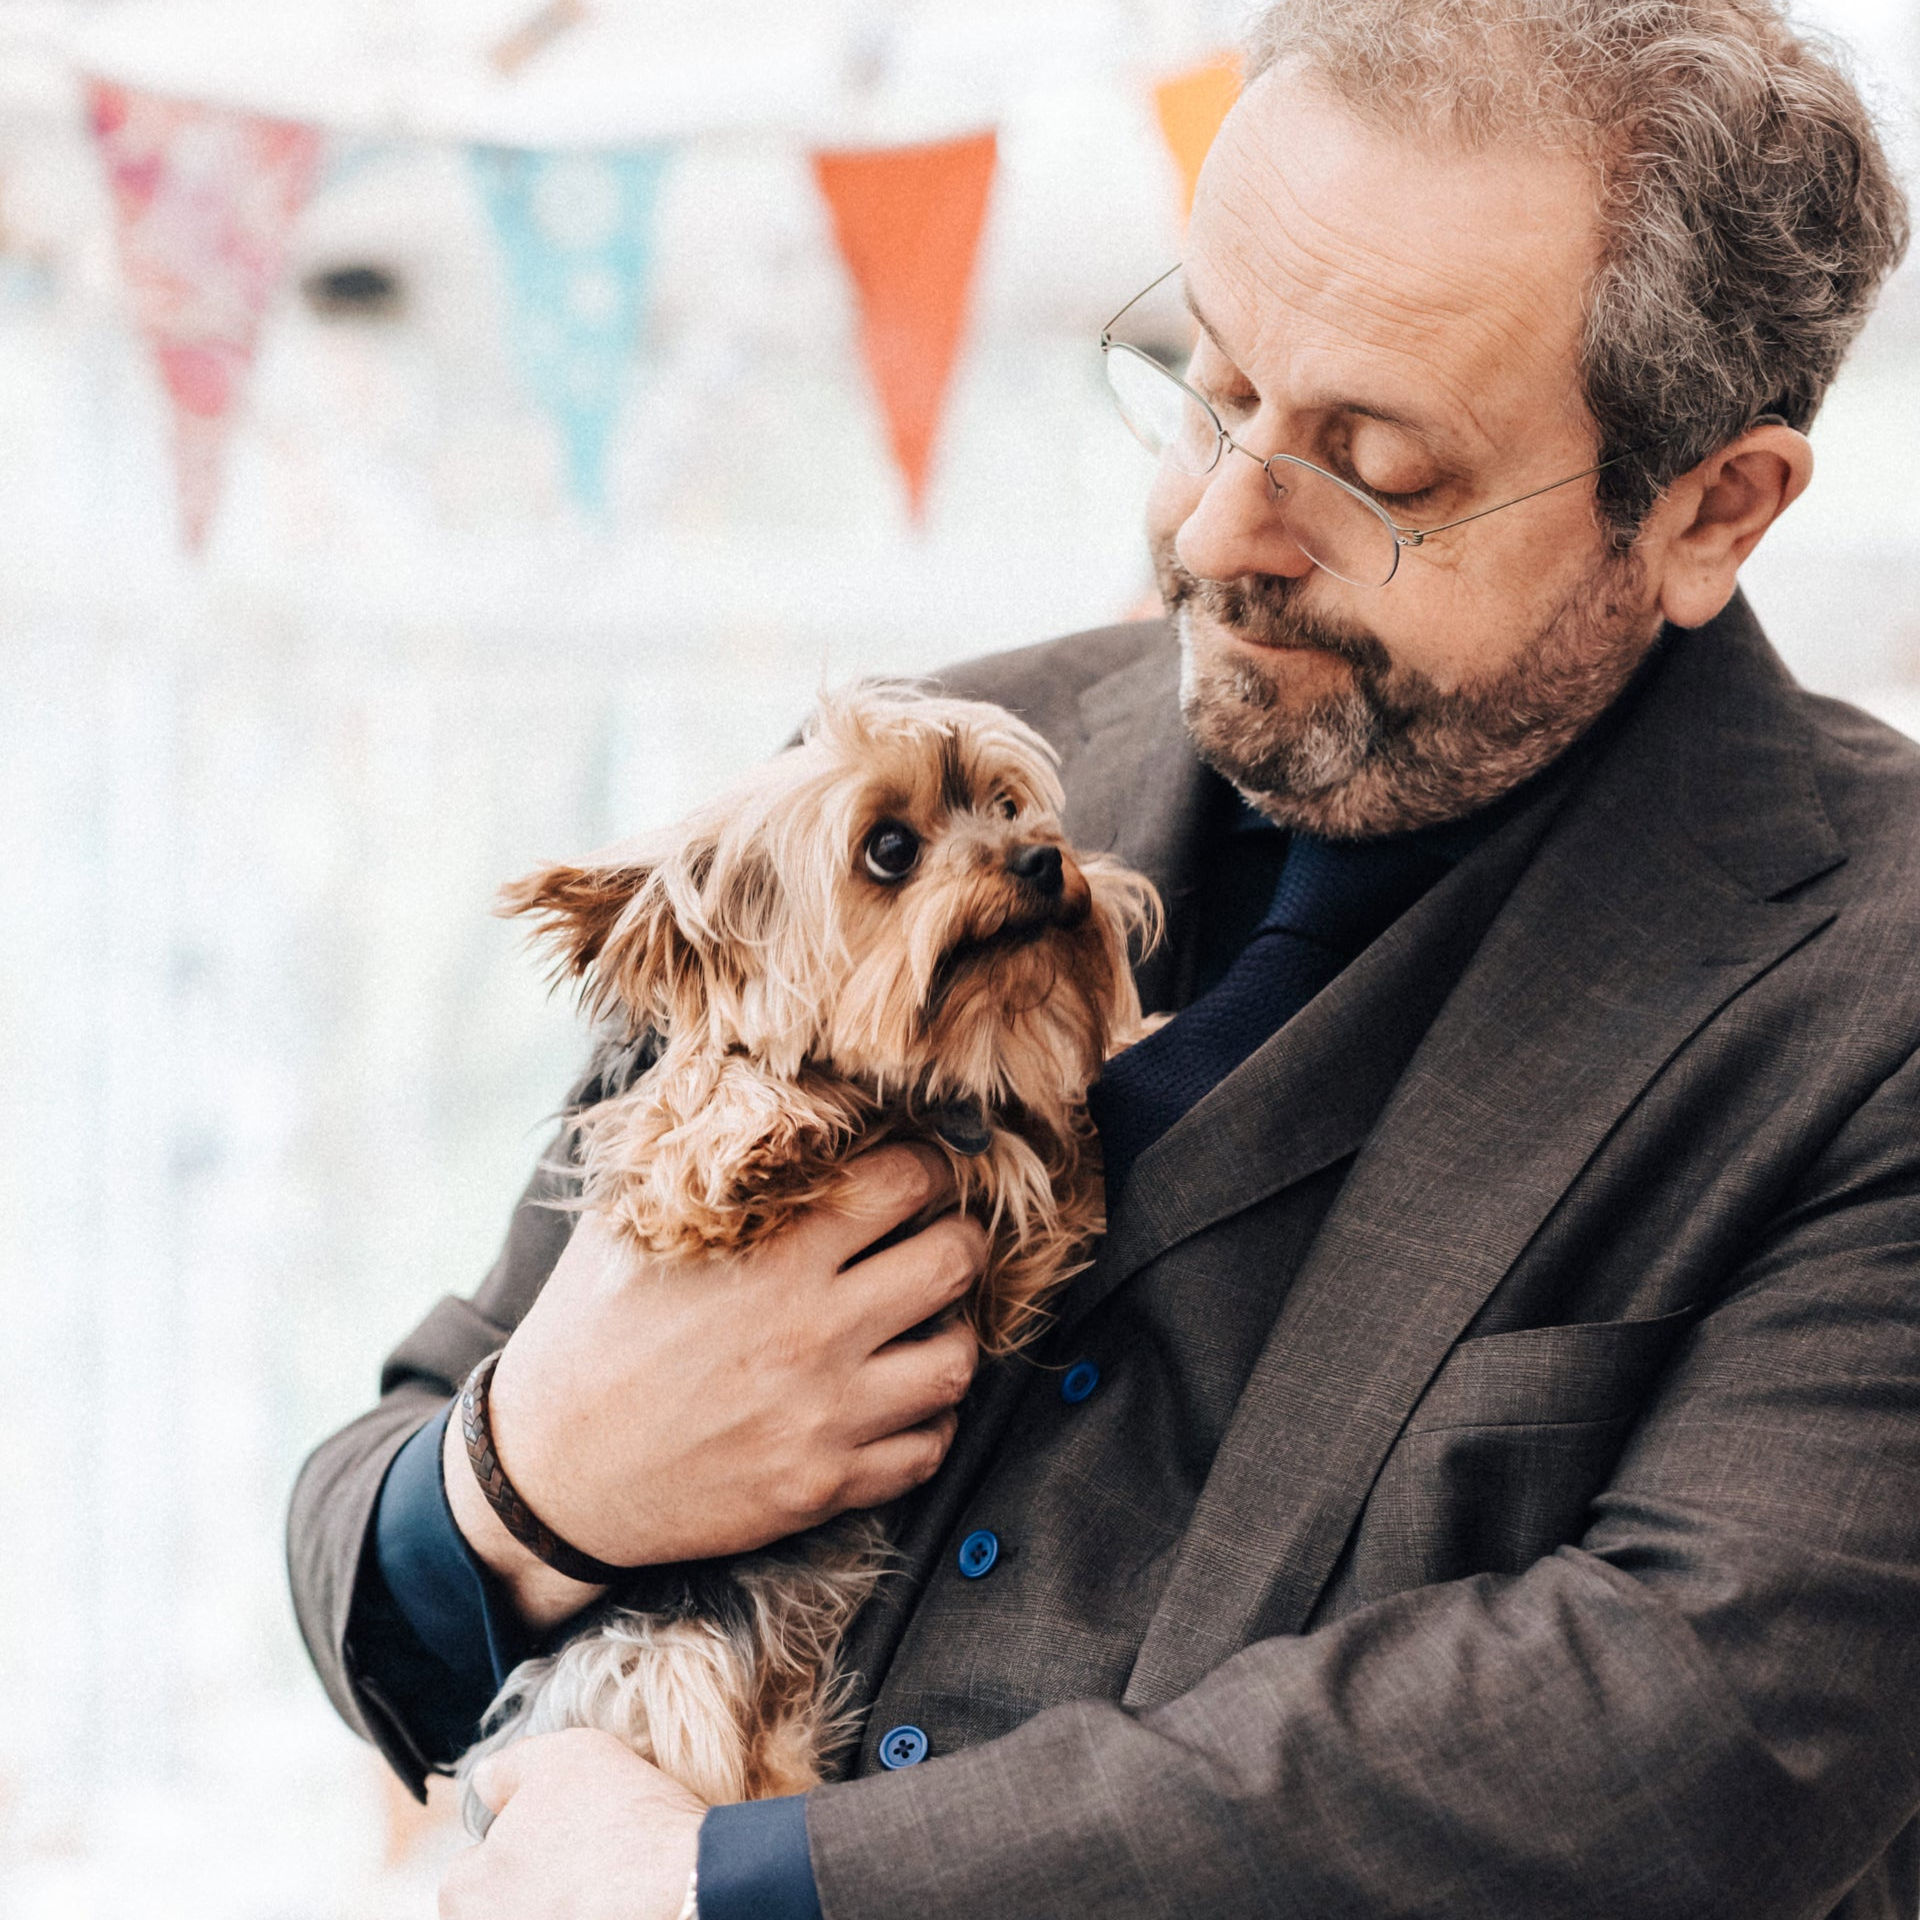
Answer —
516 1516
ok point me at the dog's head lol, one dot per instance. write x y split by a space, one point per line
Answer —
892 899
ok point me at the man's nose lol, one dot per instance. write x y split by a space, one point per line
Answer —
1039 868
1236 527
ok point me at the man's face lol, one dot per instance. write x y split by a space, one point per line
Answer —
1407 316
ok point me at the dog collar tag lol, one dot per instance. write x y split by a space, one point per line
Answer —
962 1124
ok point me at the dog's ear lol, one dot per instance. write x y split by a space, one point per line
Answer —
576 908
613 927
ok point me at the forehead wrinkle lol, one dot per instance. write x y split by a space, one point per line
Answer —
1472 315
1335 394
1462 278
1405 342
1333 400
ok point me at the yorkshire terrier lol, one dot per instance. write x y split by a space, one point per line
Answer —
879 935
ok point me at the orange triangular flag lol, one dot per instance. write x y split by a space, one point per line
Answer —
1191 106
908 221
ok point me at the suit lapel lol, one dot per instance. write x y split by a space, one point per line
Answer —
1313 1092
1645 910
1136 790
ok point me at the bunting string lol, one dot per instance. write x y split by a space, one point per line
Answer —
205 199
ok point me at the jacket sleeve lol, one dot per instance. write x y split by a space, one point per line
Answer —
329 1525
1703 1707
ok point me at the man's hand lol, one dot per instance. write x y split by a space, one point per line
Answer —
583 1829
651 1411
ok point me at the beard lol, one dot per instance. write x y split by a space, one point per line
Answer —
1390 751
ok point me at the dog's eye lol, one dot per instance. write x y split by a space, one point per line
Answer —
892 850
1009 807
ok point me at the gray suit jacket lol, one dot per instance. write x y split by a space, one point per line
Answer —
1504 1494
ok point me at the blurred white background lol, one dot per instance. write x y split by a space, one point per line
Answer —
272 1074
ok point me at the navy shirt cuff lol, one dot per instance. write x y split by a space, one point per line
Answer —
443 1589
754 1862
432 1631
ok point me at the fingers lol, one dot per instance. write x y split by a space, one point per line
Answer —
912 1382
593 1828
497 1778
888 1468
910 1283
884 1190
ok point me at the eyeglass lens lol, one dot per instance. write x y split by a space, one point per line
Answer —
1337 530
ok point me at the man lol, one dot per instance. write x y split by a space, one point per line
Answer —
1481 1474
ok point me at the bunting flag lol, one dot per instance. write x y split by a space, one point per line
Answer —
203 199
1191 106
576 231
535 33
908 223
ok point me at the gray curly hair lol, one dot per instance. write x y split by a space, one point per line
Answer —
1748 210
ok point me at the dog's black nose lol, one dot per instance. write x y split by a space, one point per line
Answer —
1039 867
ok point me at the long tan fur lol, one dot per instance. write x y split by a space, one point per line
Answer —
805 1007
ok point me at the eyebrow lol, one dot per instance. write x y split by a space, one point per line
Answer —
1430 437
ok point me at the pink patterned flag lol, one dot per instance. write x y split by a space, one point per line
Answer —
204 199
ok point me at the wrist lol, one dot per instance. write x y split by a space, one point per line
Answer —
542 1596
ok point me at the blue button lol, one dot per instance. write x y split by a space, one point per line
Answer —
978 1551
1079 1381
903 1747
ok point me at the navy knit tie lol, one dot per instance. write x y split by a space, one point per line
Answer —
1331 901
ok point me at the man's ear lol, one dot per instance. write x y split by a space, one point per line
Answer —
612 926
1711 518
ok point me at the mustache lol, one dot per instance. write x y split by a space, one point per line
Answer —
1265 609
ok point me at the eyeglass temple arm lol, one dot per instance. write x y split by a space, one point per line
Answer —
1106 332
1412 536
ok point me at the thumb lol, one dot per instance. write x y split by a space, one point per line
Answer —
497 1778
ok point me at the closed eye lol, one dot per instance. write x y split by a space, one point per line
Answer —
1399 502
1240 406
1240 403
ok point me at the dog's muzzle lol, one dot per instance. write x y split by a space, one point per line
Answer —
1040 868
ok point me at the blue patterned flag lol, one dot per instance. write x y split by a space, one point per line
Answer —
576 231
